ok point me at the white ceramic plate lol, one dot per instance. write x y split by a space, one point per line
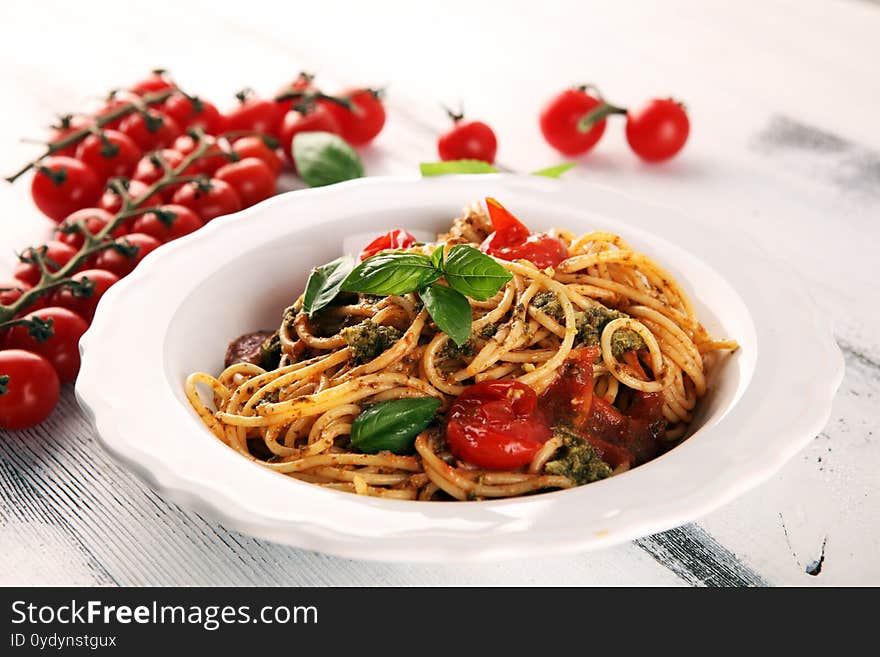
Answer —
177 311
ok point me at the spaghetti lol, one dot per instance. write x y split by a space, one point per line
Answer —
599 359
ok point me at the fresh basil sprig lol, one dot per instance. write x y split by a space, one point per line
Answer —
324 283
455 166
392 273
393 425
323 158
450 310
473 273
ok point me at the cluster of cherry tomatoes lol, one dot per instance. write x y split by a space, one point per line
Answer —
82 183
573 122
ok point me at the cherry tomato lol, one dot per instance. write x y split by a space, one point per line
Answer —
183 222
113 261
29 389
210 162
63 184
658 130
85 306
255 146
157 130
319 119
568 399
560 117
94 220
251 178
511 240
67 125
12 289
111 154
255 114
468 140
61 349
392 240
219 198
149 170
364 121
113 103
58 254
111 202
497 425
156 81
303 82
193 112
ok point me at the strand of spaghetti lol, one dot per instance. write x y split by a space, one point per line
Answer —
195 400
677 353
407 343
339 474
495 373
527 355
620 372
408 463
543 455
303 329
430 370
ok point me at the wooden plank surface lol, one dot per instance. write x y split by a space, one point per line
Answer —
783 99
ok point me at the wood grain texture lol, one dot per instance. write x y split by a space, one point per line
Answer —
796 172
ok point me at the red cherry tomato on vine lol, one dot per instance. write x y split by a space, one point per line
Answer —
117 263
213 158
61 348
303 82
497 425
150 130
392 240
67 125
255 114
63 184
194 112
214 200
156 81
364 121
29 389
511 240
101 280
111 202
12 289
58 254
111 154
149 169
468 140
251 178
560 117
255 146
658 130
94 220
184 222
318 119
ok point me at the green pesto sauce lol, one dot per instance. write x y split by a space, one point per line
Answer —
367 340
577 459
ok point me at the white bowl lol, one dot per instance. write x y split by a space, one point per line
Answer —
177 311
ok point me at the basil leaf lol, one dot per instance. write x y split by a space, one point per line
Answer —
473 273
391 273
450 310
555 171
393 425
323 158
324 283
438 257
456 166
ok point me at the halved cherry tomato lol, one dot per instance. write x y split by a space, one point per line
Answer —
215 199
393 239
194 112
113 261
111 154
251 178
94 220
497 425
29 389
318 119
569 398
183 222
62 185
150 129
58 254
111 202
361 124
560 118
61 349
101 280
255 114
255 146
511 240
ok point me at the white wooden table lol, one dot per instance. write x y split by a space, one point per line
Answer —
784 98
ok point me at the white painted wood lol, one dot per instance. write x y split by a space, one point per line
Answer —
783 96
